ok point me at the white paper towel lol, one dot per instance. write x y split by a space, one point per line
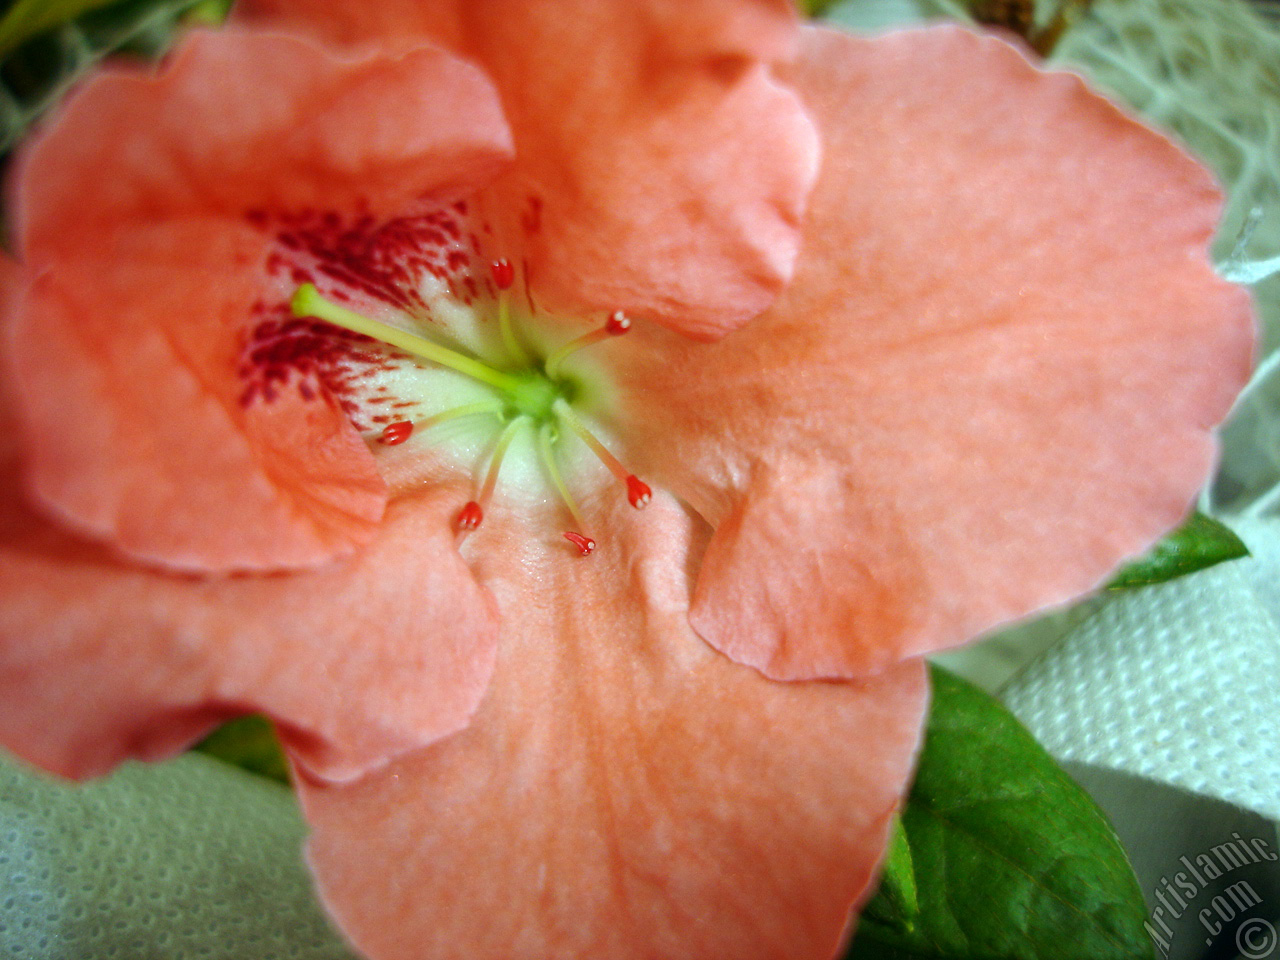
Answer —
187 860
1178 682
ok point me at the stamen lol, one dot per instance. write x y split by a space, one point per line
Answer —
470 515
617 324
504 275
638 492
499 452
580 540
307 302
396 433
472 512
585 544
466 410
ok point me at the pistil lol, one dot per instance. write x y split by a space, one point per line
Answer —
307 302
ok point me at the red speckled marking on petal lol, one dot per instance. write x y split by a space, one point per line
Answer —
353 257
321 361
531 219
387 261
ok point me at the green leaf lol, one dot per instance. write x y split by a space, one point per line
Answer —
1199 543
249 743
1010 859
897 902
37 66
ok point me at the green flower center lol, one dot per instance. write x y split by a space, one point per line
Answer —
532 395
535 396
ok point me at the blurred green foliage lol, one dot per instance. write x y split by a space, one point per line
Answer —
251 744
29 18
42 53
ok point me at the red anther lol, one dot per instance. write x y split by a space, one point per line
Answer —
504 274
397 432
617 324
585 544
638 492
470 515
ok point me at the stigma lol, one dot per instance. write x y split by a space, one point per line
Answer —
527 390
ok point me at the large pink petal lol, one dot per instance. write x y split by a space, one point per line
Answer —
135 432
364 131
140 225
993 378
357 662
624 791
660 168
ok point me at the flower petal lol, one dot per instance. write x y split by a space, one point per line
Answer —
147 263
993 378
357 662
660 167
370 131
624 791
134 428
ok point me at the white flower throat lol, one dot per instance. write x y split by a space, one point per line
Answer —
531 393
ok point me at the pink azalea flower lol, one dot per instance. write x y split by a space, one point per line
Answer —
990 378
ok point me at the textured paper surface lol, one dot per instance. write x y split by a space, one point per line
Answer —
1177 682
188 860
